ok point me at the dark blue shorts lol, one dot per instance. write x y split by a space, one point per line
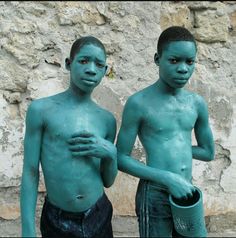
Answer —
95 222
153 211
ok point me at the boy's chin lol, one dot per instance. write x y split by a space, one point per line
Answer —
87 90
179 85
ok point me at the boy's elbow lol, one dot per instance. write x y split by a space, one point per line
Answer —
120 162
108 184
109 180
211 157
211 154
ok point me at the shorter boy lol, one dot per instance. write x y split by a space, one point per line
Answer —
72 137
163 116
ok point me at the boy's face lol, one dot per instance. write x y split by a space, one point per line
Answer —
177 62
88 67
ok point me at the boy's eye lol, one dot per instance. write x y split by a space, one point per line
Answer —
100 65
190 62
173 61
83 61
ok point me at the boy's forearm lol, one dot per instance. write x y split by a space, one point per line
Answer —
28 200
28 228
174 183
109 170
28 218
202 154
28 222
140 170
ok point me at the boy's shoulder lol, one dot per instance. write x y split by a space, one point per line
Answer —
194 95
43 103
137 103
106 114
140 96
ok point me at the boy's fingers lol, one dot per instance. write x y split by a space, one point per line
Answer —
80 147
80 140
82 153
82 134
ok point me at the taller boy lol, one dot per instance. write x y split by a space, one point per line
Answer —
163 116
72 137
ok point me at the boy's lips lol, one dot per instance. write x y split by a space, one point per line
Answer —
181 80
89 81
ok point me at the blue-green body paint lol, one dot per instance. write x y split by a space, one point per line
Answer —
72 137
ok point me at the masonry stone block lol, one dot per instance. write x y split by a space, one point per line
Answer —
211 26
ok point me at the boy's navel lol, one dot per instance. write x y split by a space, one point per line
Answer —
80 196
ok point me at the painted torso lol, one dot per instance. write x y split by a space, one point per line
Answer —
67 177
166 130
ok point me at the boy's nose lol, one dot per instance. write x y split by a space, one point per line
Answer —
182 68
91 69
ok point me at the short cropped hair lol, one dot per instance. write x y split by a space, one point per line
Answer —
86 40
174 33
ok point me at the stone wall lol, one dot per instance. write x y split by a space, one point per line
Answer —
35 38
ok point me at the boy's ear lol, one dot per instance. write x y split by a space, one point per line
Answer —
106 68
156 59
67 63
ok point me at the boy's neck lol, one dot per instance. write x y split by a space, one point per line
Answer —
166 89
78 95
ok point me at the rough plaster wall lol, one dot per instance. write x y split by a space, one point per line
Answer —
35 38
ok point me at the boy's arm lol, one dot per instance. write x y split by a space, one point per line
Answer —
30 174
108 166
131 121
205 145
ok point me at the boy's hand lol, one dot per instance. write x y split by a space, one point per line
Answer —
87 144
179 187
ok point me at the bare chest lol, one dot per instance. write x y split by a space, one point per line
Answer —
167 117
60 125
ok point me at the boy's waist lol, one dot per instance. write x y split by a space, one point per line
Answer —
158 186
101 202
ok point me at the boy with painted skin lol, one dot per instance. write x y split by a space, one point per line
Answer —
163 116
72 137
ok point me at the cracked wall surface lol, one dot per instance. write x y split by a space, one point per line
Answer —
35 39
